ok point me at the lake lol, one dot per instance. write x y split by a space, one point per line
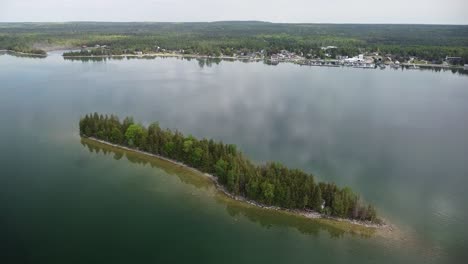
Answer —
399 138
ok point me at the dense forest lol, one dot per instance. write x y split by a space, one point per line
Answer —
429 42
270 183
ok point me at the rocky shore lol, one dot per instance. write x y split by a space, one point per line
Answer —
305 213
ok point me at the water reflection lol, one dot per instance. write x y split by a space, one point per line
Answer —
460 71
183 174
209 62
269 219
265 218
22 55
202 62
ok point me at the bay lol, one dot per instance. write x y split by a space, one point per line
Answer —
397 137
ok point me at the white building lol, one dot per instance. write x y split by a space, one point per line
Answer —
329 47
359 58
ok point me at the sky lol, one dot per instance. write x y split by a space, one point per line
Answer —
286 11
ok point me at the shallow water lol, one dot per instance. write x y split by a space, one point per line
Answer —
399 138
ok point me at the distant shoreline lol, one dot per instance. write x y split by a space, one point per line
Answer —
307 214
25 53
196 56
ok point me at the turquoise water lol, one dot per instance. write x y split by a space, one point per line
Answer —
399 138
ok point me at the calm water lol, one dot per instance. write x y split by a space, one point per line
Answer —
399 138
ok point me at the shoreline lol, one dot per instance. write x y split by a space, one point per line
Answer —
195 56
304 213
25 53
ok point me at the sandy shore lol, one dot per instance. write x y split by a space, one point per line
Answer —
308 214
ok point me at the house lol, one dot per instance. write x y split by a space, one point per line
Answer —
138 52
359 58
453 60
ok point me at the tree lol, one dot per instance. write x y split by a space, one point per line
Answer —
220 169
268 191
337 206
271 183
252 188
128 121
135 135
231 181
371 213
317 201
169 148
197 155
187 148
116 136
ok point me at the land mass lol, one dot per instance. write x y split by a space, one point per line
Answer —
413 44
270 185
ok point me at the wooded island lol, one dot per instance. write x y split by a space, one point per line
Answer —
270 184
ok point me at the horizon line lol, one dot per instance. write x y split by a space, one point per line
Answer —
232 21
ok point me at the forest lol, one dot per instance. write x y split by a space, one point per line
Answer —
270 184
429 42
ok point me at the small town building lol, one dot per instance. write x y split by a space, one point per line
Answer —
329 47
453 60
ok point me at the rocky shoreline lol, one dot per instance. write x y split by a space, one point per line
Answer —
305 213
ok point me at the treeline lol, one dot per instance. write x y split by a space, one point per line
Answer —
427 42
19 43
270 183
91 52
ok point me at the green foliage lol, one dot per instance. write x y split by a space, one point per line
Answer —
221 170
270 183
268 191
316 201
428 42
135 136
116 136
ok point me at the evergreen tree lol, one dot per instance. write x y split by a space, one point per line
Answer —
271 183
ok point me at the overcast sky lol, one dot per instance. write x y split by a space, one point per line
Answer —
314 11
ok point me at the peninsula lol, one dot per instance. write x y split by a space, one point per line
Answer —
270 184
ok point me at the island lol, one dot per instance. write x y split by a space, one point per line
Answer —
266 185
